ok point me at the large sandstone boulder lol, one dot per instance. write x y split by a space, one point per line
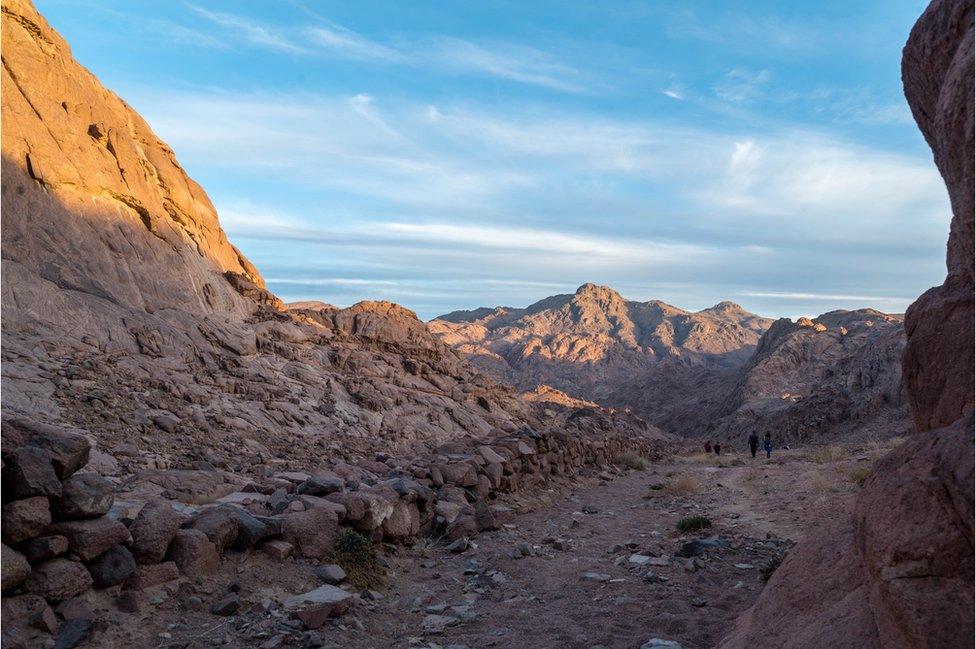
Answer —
899 572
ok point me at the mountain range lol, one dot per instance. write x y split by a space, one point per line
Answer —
721 371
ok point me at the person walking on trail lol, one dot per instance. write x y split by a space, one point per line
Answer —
708 447
768 445
753 443
718 448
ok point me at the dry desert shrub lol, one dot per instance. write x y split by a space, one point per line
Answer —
821 484
860 473
713 460
683 484
826 454
632 460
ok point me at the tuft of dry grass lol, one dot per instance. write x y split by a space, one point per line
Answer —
712 459
821 484
425 545
682 484
632 460
860 473
826 454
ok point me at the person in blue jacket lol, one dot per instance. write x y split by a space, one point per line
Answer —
768 445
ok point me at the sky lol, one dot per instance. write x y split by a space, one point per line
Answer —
449 155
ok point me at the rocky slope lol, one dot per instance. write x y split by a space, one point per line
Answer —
164 414
128 313
899 572
718 372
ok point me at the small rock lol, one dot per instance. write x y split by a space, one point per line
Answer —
128 601
193 553
193 603
437 624
640 559
45 620
744 566
73 633
698 602
227 605
459 545
658 643
330 574
596 576
315 607
153 529
76 608
91 537
27 471
278 549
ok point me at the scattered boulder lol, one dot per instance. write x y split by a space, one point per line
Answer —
700 546
219 524
313 532
58 579
315 607
278 549
25 519
193 553
330 574
250 529
320 486
85 495
73 633
112 567
227 605
153 529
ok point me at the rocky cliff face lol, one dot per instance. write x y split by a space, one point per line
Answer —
719 372
127 313
899 572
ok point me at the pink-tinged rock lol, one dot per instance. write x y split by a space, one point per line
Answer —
27 471
25 519
315 607
85 495
89 538
193 553
490 455
153 529
278 549
219 524
15 568
69 450
58 579
403 523
313 532
377 507
146 576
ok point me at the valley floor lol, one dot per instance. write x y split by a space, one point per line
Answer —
577 585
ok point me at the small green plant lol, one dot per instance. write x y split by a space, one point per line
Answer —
770 568
356 554
693 524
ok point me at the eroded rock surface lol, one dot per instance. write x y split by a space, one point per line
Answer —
899 573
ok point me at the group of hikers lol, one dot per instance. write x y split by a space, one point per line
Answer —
753 445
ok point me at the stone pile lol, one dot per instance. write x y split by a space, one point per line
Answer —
65 532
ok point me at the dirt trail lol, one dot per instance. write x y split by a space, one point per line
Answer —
490 596
547 599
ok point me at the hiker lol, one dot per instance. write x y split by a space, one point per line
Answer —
718 448
753 443
708 447
768 445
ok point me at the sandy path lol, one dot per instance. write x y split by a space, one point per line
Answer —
545 601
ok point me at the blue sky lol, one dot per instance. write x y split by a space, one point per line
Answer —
450 155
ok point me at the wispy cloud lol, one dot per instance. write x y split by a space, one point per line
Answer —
252 31
346 43
743 85
828 297
442 54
